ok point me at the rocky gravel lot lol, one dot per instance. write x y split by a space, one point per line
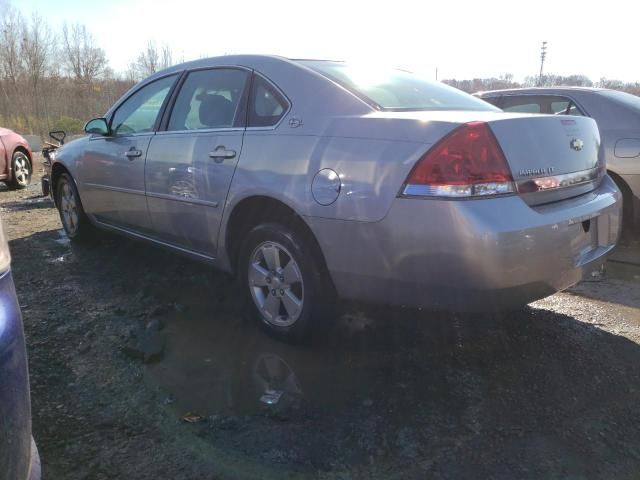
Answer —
144 366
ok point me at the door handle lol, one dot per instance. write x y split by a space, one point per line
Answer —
221 153
133 153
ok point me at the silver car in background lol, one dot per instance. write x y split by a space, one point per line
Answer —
316 179
617 115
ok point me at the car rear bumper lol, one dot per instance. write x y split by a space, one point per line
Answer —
477 255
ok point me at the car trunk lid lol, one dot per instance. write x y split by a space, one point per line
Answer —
551 157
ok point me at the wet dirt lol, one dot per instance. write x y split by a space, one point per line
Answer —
549 391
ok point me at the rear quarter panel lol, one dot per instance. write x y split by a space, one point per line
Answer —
615 122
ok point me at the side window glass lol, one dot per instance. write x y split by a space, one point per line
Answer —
208 99
573 110
560 107
565 107
140 111
267 105
521 105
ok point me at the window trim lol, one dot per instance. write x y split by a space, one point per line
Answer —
239 123
278 90
161 112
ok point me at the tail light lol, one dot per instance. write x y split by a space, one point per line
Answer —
468 162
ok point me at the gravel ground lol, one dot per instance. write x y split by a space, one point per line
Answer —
143 366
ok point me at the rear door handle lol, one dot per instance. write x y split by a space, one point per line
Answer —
220 153
133 153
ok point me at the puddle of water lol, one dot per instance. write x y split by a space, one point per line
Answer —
216 363
60 259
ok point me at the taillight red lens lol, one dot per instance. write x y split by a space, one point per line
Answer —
467 162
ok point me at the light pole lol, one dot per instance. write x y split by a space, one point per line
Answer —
543 55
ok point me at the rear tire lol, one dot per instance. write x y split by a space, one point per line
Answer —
21 170
285 282
74 221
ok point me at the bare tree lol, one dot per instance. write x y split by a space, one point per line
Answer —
166 57
84 60
11 64
152 59
37 46
148 61
11 27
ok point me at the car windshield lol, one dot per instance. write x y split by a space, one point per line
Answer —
626 99
397 90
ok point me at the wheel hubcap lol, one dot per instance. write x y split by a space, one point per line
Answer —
69 208
21 170
276 285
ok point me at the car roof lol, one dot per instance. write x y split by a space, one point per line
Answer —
251 61
541 90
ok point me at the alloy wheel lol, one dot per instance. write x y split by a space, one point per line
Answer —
69 208
21 170
276 284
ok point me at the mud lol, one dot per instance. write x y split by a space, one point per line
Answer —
548 391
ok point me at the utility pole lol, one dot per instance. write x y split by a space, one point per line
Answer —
543 55
436 73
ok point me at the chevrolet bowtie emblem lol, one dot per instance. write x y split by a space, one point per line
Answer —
576 144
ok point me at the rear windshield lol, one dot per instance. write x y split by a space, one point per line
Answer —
397 90
623 98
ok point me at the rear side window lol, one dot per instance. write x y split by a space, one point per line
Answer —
208 99
523 108
548 104
397 90
266 104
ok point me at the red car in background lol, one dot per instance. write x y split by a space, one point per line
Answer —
16 159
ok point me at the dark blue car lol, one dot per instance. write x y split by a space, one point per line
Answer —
19 458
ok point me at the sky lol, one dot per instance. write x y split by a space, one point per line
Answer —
460 38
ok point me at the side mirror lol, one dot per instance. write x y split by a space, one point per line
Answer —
97 126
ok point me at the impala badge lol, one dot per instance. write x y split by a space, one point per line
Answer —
536 172
576 144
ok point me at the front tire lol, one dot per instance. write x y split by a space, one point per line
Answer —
285 282
21 169
74 220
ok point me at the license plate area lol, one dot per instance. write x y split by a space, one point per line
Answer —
585 236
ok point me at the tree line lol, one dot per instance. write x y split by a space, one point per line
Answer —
53 80
550 80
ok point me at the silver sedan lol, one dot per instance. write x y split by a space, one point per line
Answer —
312 180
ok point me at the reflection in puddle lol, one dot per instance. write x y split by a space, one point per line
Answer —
62 238
224 365
275 378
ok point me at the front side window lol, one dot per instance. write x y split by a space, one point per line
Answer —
267 105
209 99
139 112
397 90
